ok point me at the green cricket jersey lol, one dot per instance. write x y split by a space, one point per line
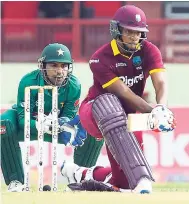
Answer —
68 98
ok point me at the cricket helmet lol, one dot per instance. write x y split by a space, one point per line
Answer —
131 18
55 53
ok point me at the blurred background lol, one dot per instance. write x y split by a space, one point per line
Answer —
28 26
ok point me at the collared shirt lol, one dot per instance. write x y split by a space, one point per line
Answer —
109 65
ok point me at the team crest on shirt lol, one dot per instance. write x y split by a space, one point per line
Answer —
137 61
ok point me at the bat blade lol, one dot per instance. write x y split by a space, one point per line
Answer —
138 122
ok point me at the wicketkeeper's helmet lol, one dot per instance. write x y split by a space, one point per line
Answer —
55 53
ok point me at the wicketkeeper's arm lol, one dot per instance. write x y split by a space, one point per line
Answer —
20 108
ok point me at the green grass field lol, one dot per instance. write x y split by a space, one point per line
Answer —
163 194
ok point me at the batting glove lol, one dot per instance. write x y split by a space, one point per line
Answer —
161 119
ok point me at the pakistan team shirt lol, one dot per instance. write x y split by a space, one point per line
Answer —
68 98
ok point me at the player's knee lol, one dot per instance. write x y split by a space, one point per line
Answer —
87 120
108 113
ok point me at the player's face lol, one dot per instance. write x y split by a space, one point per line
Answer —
57 72
131 38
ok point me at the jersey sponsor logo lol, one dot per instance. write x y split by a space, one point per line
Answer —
2 130
121 64
93 61
137 61
131 81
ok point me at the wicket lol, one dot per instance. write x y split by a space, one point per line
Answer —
41 135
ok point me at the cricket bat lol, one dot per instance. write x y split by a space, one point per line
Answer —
137 122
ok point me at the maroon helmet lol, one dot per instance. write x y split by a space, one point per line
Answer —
129 17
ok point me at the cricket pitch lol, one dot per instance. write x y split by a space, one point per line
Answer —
167 193
95 197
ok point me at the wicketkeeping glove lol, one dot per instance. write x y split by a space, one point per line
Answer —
47 124
72 132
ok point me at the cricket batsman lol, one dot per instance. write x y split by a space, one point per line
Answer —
120 69
55 69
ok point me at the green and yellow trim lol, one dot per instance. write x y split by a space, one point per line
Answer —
110 82
156 70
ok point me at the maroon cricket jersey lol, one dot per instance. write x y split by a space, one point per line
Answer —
108 65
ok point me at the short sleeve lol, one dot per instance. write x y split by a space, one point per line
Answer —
154 62
102 73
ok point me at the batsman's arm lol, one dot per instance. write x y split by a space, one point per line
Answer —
159 81
20 108
71 104
109 81
157 72
134 101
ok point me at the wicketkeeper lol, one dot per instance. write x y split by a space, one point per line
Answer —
55 69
